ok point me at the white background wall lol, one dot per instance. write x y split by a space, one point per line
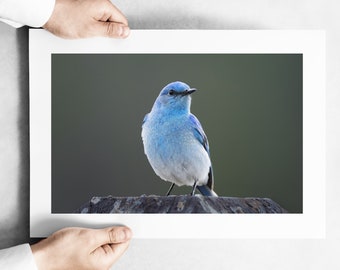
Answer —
182 254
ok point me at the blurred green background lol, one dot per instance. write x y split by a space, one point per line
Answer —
250 106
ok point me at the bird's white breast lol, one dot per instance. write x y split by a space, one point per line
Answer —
173 151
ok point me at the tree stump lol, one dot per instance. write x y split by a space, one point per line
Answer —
179 204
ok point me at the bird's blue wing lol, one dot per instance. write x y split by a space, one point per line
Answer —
145 118
199 132
202 138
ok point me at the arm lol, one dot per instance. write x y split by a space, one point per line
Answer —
17 258
34 13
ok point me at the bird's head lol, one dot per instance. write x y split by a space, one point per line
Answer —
175 96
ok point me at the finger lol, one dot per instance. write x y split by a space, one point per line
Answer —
117 15
119 249
111 29
111 235
108 254
119 234
110 12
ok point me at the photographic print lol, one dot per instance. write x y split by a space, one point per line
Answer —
250 106
220 120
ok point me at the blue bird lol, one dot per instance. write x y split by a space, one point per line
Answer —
175 143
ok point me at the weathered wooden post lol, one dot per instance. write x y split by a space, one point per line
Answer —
180 204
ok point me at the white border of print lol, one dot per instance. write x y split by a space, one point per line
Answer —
309 224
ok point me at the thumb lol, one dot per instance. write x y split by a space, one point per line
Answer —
111 235
112 29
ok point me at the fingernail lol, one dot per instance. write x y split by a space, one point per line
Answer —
125 234
124 31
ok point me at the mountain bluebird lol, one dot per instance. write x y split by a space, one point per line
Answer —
175 143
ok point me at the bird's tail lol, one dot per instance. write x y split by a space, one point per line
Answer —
206 191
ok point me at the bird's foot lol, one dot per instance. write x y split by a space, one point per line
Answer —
170 189
194 189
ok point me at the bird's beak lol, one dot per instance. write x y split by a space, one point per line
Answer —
189 91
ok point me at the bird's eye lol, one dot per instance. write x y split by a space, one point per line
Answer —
171 92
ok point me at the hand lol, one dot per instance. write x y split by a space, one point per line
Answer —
87 18
80 248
